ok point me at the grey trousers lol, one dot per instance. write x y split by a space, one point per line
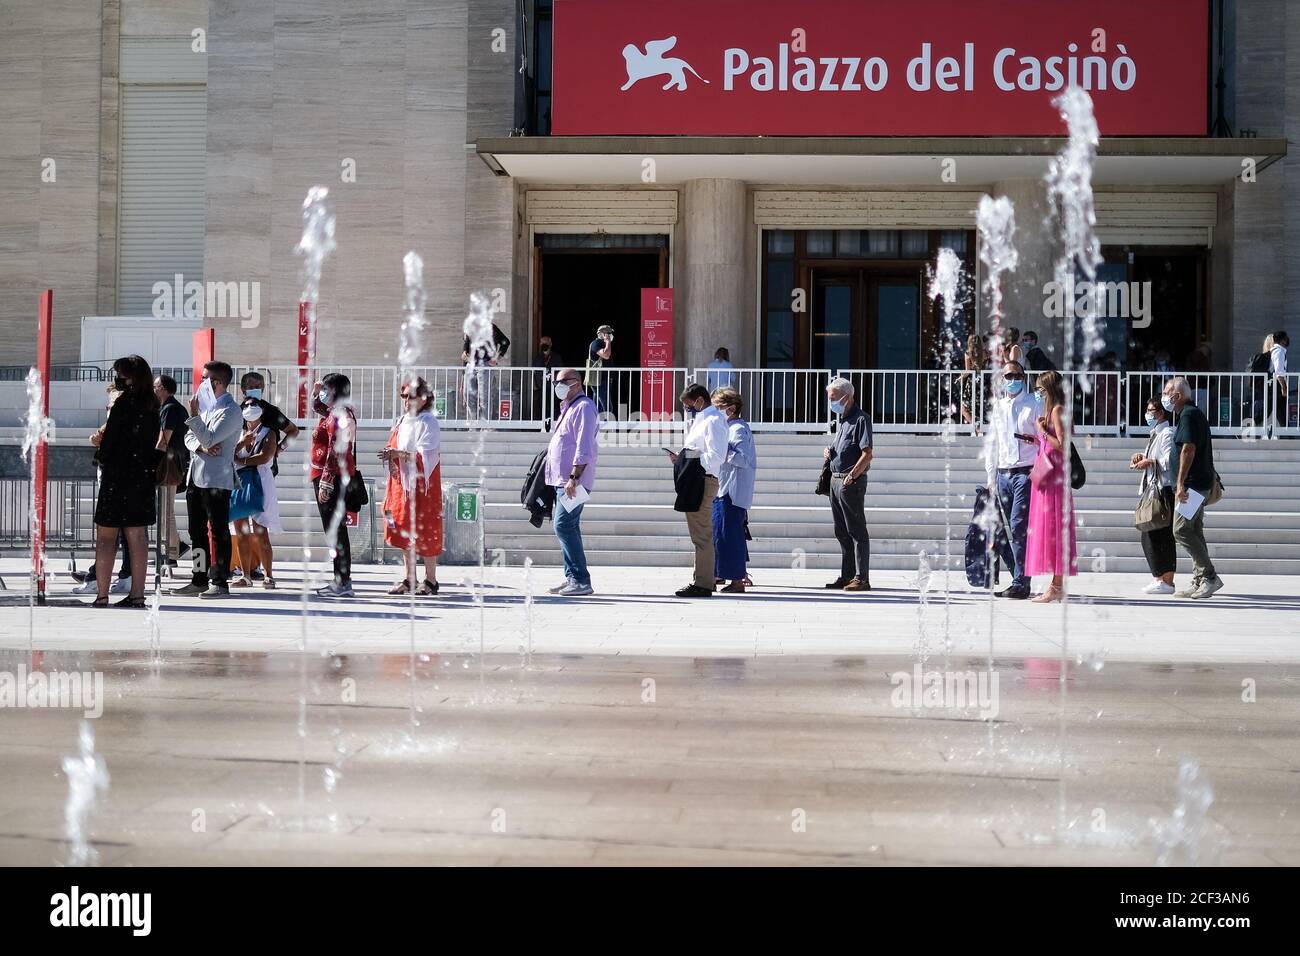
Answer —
1190 534
847 506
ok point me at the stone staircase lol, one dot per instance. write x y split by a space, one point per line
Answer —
630 521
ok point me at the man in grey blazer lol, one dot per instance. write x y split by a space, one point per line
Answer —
211 439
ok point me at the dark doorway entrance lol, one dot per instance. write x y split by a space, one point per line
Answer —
579 290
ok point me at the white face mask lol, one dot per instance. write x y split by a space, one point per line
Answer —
562 390
323 396
252 413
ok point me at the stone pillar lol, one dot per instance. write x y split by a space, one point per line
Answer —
1037 248
711 271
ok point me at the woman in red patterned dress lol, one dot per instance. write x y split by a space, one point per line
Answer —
413 505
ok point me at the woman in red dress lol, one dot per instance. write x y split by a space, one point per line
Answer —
413 505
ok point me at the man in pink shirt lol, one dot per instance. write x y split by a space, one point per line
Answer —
571 471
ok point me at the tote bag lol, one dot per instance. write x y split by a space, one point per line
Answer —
248 497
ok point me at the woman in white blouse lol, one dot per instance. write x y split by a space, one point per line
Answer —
413 505
1157 465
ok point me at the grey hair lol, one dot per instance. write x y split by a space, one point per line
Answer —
840 386
1180 385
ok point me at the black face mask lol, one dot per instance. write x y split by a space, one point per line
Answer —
119 383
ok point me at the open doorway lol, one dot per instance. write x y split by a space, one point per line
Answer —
586 281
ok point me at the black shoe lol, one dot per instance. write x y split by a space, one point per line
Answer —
838 584
693 591
257 575
1015 593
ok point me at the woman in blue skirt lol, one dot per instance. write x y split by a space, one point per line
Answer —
735 493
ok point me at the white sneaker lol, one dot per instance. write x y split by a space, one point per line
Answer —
120 586
574 589
1208 588
1158 587
555 590
215 593
1191 589
89 587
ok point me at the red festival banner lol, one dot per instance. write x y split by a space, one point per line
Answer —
41 463
304 355
877 67
657 399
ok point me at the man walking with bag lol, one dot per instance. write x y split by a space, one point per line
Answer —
1194 460
849 458
571 471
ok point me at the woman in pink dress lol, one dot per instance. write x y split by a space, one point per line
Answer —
1051 503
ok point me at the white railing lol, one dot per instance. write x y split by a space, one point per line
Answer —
776 399
1238 404
914 400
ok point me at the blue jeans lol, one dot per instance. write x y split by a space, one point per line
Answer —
568 529
1013 492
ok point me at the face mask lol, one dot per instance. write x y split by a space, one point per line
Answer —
323 397
1040 394
1030 344
1168 403
561 390
119 383
253 393
1015 387
252 413
837 407
1151 420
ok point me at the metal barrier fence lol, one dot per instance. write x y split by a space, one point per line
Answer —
69 517
776 399
1250 405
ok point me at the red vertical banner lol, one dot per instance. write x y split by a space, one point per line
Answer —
304 355
657 400
44 320
203 350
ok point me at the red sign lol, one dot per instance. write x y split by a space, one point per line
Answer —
504 410
203 349
877 67
657 398
304 354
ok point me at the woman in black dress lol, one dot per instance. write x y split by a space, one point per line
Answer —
128 461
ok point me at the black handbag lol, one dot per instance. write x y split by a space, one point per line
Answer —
1078 474
355 496
824 481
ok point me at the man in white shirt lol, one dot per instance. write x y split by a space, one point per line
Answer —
1277 366
1012 448
706 439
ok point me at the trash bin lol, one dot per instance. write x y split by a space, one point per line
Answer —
462 523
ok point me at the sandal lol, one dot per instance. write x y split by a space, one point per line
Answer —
138 603
269 584
403 588
735 587
241 583
99 602
428 587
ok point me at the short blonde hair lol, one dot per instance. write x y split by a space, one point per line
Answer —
727 397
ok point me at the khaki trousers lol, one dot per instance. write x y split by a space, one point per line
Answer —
700 525
171 541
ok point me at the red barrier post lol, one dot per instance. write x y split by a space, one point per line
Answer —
44 319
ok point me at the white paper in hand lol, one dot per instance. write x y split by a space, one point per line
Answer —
207 400
1189 507
580 496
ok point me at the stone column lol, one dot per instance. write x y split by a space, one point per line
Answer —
711 271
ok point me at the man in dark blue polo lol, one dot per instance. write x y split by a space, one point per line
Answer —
850 457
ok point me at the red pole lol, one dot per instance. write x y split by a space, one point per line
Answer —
45 316
304 355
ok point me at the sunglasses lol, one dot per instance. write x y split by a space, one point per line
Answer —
1014 378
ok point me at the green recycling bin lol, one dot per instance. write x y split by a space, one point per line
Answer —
462 523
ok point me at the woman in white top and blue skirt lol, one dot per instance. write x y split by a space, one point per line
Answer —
1157 465
735 493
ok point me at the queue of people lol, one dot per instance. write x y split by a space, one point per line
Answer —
223 456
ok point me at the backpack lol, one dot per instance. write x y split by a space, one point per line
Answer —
1260 363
